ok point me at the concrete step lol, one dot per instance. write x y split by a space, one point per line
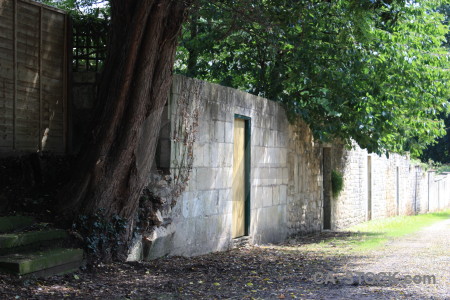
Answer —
42 263
13 223
239 242
21 240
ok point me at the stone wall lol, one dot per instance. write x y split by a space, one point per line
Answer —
285 175
398 187
305 180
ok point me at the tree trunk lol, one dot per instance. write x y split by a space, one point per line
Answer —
113 166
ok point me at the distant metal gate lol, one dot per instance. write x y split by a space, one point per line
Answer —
33 77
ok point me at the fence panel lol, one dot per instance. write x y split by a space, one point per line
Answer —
33 77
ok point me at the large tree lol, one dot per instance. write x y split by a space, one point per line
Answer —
112 168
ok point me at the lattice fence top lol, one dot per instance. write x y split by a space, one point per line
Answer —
90 37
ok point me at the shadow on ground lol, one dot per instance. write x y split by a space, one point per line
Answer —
246 273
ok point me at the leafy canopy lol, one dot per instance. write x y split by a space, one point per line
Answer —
372 71
93 8
440 151
365 70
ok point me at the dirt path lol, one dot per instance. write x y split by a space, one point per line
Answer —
272 272
413 258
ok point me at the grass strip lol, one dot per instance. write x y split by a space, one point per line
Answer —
375 233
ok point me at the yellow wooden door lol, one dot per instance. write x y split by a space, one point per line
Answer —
238 228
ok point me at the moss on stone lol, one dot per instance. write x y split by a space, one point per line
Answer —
11 223
12 240
22 264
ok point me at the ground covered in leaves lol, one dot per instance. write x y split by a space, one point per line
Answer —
287 271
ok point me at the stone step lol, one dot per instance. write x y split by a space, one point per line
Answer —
12 223
239 242
42 263
10 241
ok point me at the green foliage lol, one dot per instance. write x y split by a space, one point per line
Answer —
337 183
440 150
94 8
377 232
101 235
371 71
443 169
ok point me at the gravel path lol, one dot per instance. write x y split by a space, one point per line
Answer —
411 258
287 271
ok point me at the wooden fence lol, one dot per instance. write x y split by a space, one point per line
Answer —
33 77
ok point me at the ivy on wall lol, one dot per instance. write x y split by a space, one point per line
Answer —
337 183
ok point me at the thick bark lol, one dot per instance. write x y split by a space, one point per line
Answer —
112 167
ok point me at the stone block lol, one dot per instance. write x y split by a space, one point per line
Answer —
282 139
285 176
258 156
219 132
276 195
23 239
223 154
273 137
228 155
229 127
199 151
214 158
283 194
203 133
205 178
264 176
12 223
185 233
256 197
192 183
267 196
43 262
197 206
225 199
273 175
282 156
220 178
265 142
185 204
255 136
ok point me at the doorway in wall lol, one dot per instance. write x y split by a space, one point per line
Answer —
397 189
241 177
327 188
369 188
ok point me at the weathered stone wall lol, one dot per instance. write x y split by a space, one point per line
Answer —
285 176
398 187
348 208
305 180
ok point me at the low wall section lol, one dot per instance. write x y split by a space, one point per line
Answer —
378 187
285 175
